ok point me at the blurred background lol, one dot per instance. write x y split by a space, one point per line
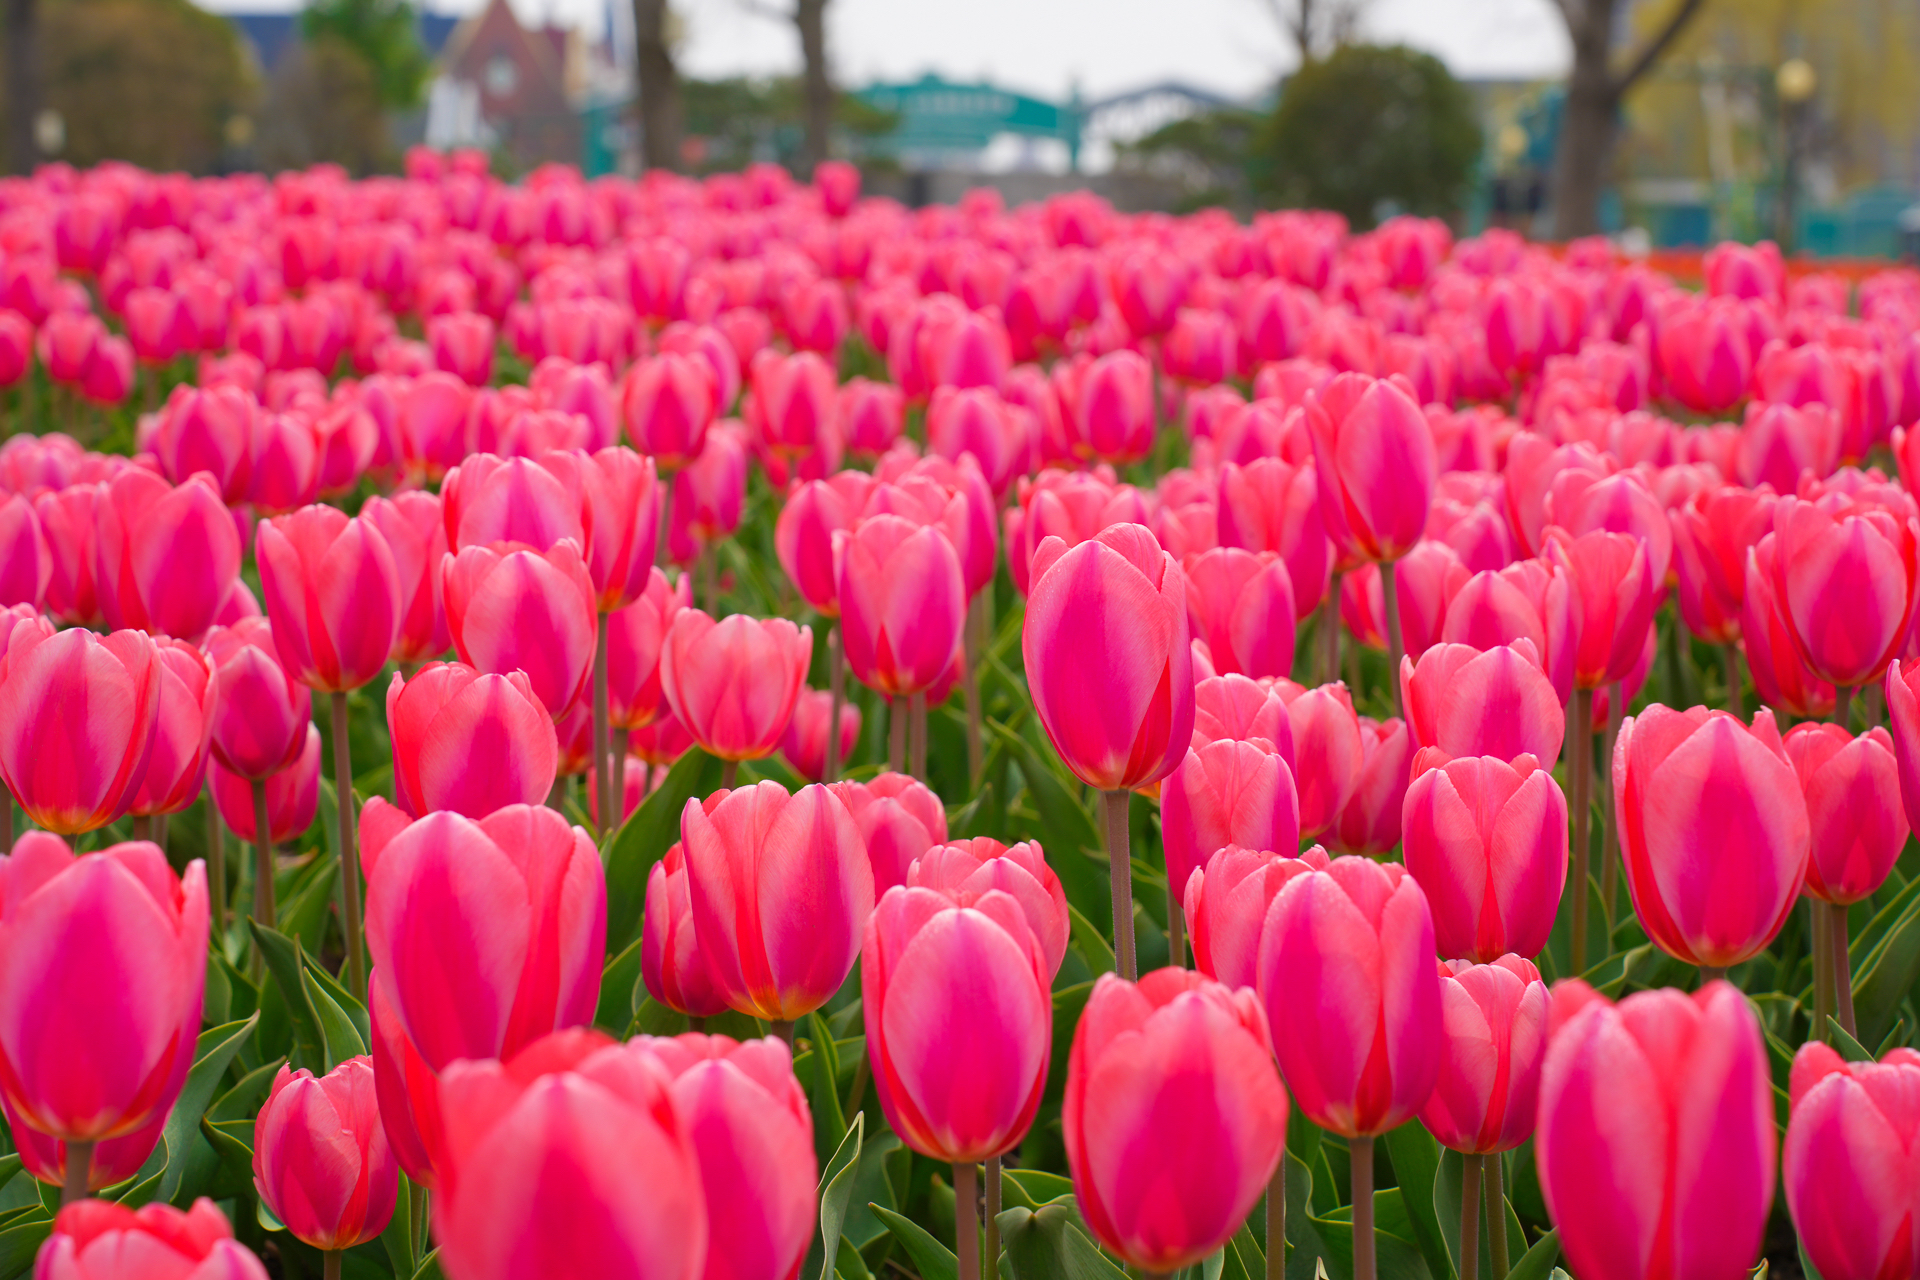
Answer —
1668 123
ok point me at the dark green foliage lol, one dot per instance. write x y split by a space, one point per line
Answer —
382 32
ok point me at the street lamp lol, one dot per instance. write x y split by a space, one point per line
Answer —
1796 82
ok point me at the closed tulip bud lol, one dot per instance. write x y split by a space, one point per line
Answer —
488 499
973 867
1174 1119
1656 1132
662 742
1347 977
805 744
1373 453
1703 802
284 469
622 508
16 347
333 595
1226 906
1850 1182
790 402
26 562
1226 793
708 493
1493 703
79 712
485 936
1488 842
1613 590
513 608
321 1162
1903 715
416 535
1844 584
70 524
166 558
208 429
293 796
903 602
1780 676
182 729
1241 603
1778 443
1711 536
260 712
899 819
1234 706
667 403
104 1240
1531 600
869 414
636 637
746 1118
671 965
1854 812
1112 412
1120 714
1370 822
976 421
803 536
733 683
1425 581
1494 1043
1327 751
109 374
1272 505
462 345
100 1003
630 1200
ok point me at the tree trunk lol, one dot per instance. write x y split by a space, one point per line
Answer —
810 16
1587 125
23 84
661 124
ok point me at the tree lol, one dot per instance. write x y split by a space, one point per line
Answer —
1590 121
384 34
1370 128
662 120
23 84
1205 155
324 107
809 18
1317 27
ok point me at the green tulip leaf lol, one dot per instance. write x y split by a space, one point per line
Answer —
644 838
836 1190
1049 1243
931 1259
1538 1262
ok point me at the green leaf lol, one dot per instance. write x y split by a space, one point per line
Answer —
1537 1263
397 1239
350 1004
1090 942
644 838
1416 1162
829 1122
429 1268
307 915
1849 1048
1448 1188
1033 1188
1049 1243
619 984
284 968
338 1036
20 1242
836 1189
1885 976
214 1050
1243 1258
933 1260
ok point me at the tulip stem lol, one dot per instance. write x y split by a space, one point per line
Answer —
1736 703
1390 598
896 735
837 697
142 827
6 821
1120 858
79 1171
783 1028
1277 1219
1361 1158
1712 973
917 735
966 1221
729 770
1330 633
1470 1218
1872 703
417 1220
666 520
330 1265
1843 706
1176 930
216 866
349 860
1609 832
1579 728
991 1257
262 856
620 739
602 765
159 831
1842 966
1496 1218
973 636
1822 967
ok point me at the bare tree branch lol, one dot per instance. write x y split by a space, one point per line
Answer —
759 10
1643 62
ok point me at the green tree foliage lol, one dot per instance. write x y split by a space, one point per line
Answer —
1370 129
383 33
734 122
1205 155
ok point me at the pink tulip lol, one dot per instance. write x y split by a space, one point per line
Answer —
488 499
805 744
1112 410
622 1195
485 936
104 1240
166 557
1703 803
781 889
868 415
210 430
462 345
1373 453
671 963
667 403
1779 443
804 535
1241 603
967 869
414 528
1495 1040
260 712
1844 582
903 603
708 493
70 523
321 1162
26 562
1074 506
1174 1119
182 730
1226 793
1487 839
790 402
1327 751
1858 825
1903 715
512 608
1425 580
1236 707
960 1020
1656 1132
636 637
621 501
1269 505
746 1119
469 742
79 712
1347 976
1105 645
1226 906
733 683
1531 600
1851 1184
284 466
333 595
976 421
1611 584
1370 821
293 796
1619 503
899 819
1780 675
1711 536
100 1002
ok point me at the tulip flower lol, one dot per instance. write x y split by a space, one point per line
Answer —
1327 751
1532 599
182 730
973 867
621 502
100 998
781 889
1487 840
1850 1181
805 744
1903 715
1234 706
868 415
1844 584
976 421
26 562
165 557
260 712
1494 1043
1225 793
1226 907
733 683
207 429
746 1118
708 494
1270 505
902 602
321 1162
667 403
291 796
1373 454
1852 790
414 527
1612 590
671 963
1241 603
899 819
1370 822
284 468
1711 536
512 608
1174 1118
104 1240
463 345
79 714
332 592
1493 703
489 499
70 524
485 936
1112 412
1425 581
803 536
1656 1133
1781 677
630 1200
790 402
1703 802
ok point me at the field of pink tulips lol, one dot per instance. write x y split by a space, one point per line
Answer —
1144 745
